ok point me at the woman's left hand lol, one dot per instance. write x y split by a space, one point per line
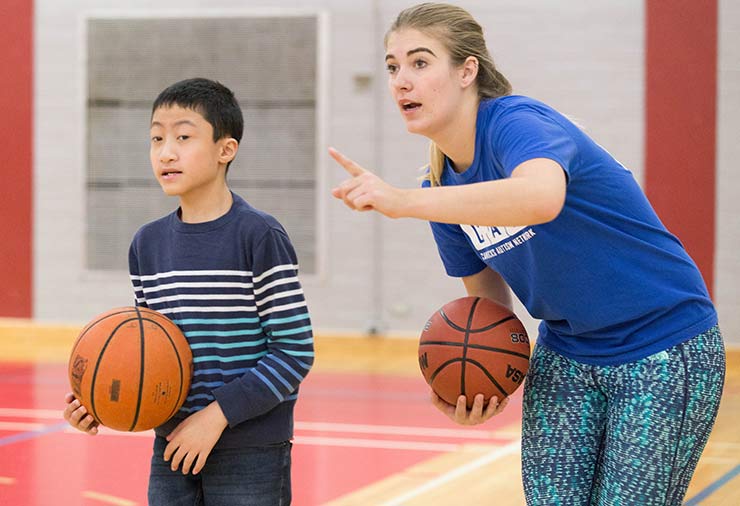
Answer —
474 416
365 191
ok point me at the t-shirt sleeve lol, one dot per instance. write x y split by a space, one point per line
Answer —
525 133
457 256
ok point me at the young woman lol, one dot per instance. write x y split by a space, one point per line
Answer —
627 372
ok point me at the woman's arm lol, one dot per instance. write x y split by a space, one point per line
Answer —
535 193
489 284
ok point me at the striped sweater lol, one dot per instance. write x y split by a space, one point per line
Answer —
232 286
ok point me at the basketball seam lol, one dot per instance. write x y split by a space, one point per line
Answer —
465 347
179 364
442 366
477 347
142 346
92 324
474 331
489 376
101 355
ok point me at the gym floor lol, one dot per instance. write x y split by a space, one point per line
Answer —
366 435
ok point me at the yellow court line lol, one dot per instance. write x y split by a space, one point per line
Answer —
108 499
29 341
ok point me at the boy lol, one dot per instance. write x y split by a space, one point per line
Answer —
226 274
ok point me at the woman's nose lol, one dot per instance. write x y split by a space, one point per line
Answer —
401 81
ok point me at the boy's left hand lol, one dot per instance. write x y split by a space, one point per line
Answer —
192 441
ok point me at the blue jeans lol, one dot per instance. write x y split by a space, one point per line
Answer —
256 476
621 435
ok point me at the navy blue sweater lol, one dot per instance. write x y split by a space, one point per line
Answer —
232 286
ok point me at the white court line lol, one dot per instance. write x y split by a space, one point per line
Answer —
383 444
21 426
31 413
725 444
6 480
404 430
321 427
319 441
460 471
105 431
376 443
108 499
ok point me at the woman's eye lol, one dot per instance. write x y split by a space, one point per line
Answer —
391 68
420 64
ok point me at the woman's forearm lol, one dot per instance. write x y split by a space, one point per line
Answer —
529 197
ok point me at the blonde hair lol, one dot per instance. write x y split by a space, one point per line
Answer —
462 36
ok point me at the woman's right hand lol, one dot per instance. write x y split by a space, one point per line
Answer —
77 416
461 415
364 191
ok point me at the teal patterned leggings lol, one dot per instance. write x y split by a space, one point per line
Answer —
619 435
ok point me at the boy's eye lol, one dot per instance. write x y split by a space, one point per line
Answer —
183 137
156 138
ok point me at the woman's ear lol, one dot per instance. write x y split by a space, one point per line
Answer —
468 71
229 148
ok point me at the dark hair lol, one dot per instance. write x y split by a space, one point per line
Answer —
211 99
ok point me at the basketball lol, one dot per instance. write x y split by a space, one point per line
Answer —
131 367
473 345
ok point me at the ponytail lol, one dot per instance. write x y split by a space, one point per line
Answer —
436 165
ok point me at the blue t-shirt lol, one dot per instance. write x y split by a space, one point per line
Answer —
609 282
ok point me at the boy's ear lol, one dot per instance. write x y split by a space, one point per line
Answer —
229 148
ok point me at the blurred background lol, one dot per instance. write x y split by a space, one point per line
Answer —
656 83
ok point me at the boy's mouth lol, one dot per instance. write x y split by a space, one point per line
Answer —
407 105
170 172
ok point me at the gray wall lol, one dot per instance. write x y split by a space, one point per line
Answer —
586 58
727 265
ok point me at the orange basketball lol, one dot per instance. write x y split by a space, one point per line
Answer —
473 345
131 368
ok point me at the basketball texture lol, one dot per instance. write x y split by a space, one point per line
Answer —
131 368
473 345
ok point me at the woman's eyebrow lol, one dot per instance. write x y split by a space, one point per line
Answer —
412 51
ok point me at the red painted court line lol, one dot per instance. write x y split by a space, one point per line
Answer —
350 433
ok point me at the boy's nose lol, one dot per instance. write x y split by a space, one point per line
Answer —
166 154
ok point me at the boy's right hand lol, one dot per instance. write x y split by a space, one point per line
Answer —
78 417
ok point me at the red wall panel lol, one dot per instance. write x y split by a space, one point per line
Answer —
16 151
681 99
